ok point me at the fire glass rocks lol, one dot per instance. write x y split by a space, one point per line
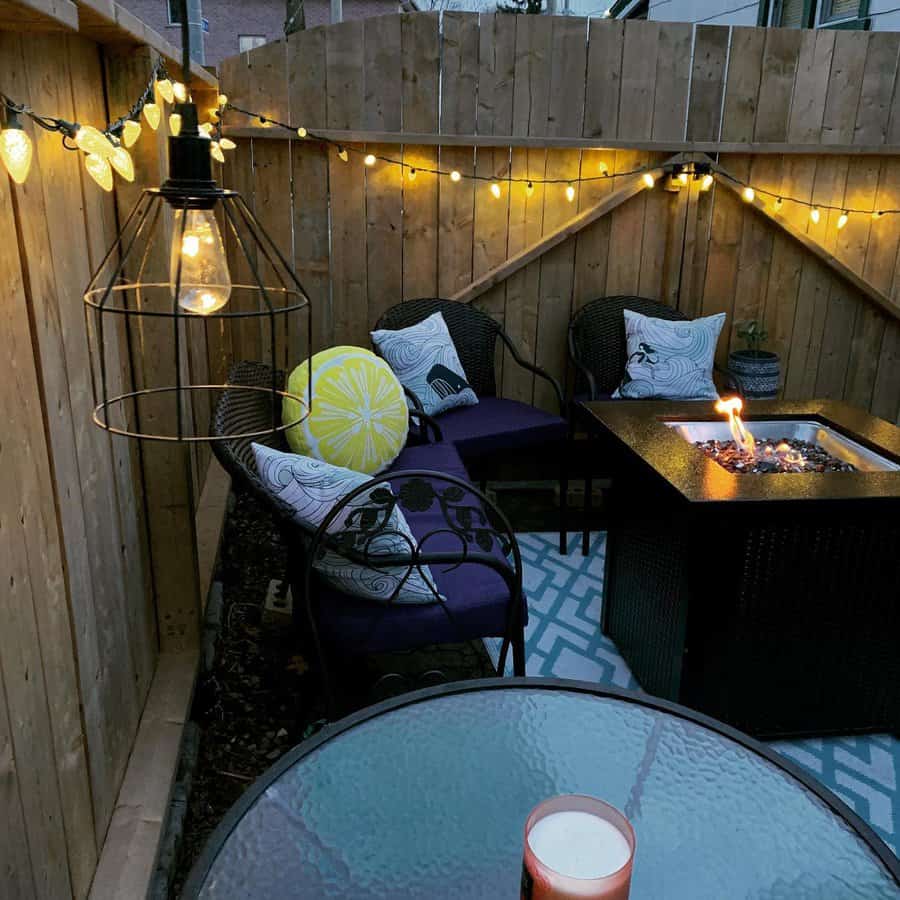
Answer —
786 456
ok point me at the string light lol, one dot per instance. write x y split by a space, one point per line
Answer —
369 159
90 140
779 202
706 182
411 174
648 179
152 114
121 161
131 131
166 90
683 178
529 189
602 168
180 92
175 124
15 148
227 144
495 190
301 132
343 154
748 194
842 220
570 192
215 151
222 100
455 176
815 215
206 128
877 213
99 169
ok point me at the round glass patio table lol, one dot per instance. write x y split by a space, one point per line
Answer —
426 796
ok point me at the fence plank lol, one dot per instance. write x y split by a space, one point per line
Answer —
779 66
604 76
742 83
844 86
420 226
384 235
459 87
886 393
496 74
383 67
673 74
877 90
639 57
705 104
345 84
565 112
811 85
421 74
531 93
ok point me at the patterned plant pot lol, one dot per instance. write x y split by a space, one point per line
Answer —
757 373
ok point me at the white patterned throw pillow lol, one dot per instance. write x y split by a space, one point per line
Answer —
371 522
425 360
669 360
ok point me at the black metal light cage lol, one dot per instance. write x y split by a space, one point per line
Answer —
134 285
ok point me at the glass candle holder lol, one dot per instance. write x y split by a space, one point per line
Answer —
577 847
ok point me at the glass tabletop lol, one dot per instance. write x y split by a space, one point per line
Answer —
426 797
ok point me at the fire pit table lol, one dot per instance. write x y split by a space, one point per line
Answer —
768 600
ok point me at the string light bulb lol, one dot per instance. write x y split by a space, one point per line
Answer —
227 144
455 176
748 194
815 215
90 140
570 192
779 203
302 132
197 264
175 124
131 131
214 114
99 169
495 190
215 151
877 213
369 159
152 115
529 189
15 148
222 100
842 219
121 161
648 179
179 91
206 128
343 155
683 178
411 175
706 182
602 168
166 90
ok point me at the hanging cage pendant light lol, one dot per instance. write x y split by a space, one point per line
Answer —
166 277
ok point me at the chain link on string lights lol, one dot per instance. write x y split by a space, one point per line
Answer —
104 150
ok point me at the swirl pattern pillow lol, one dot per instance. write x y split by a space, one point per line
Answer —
359 416
669 360
371 523
425 360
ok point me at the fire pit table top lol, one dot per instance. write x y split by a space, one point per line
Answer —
641 427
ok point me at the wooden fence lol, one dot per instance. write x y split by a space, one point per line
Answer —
810 114
97 547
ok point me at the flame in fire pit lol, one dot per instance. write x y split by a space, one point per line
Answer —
732 407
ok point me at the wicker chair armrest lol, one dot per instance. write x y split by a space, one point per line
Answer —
531 367
580 367
426 427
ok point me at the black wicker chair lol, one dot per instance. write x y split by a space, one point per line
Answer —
469 533
497 427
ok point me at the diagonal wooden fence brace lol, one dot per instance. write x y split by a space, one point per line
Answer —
871 293
500 273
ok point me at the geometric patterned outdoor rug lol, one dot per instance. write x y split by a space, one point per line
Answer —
563 640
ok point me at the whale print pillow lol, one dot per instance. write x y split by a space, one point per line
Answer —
669 360
312 488
425 360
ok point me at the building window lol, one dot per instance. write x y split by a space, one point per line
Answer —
792 13
249 41
839 10
174 10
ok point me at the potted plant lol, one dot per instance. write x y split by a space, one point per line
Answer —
756 372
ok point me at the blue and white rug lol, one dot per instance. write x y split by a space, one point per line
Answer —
563 640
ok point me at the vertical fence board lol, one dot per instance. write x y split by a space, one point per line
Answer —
383 68
877 91
705 104
604 77
811 85
639 58
420 226
742 83
844 86
779 67
673 73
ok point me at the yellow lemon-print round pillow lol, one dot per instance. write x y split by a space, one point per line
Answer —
359 417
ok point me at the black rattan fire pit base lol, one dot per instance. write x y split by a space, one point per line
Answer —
769 602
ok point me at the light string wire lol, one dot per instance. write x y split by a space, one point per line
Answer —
304 134
69 129
697 169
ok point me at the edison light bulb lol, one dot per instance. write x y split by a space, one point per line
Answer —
748 194
98 168
205 284
455 176
120 160
370 159
152 114
222 99
166 91
91 140
215 151
131 132
15 150
842 220
179 91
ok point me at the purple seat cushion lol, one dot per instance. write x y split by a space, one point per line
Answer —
477 597
496 424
